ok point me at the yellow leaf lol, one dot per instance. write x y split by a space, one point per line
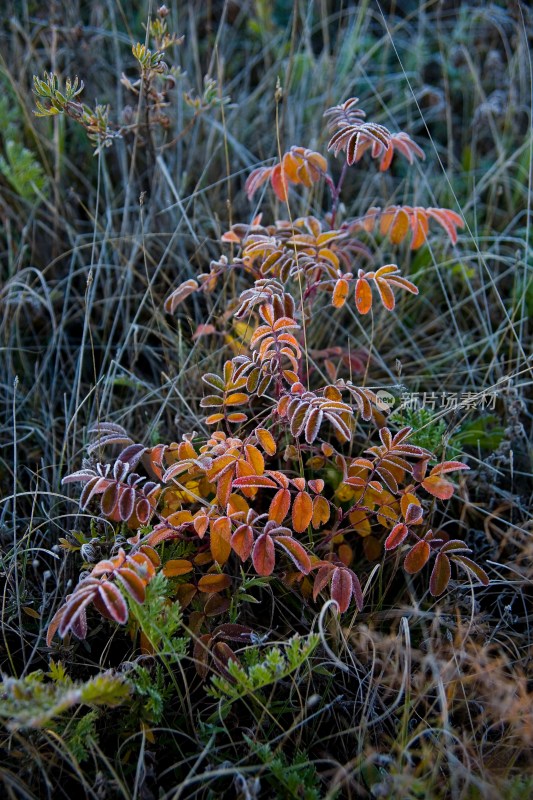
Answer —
266 440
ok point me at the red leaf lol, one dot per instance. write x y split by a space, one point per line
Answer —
79 625
109 499
357 592
455 545
397 535
233 632
322 578
216 604
413 514
143 510
133 584
440 575
448 466
178 295
114 602
72 611
200 654
263 555
86 492
279 183
185 594
223 654
126 503
341 588
295 550
471 566
54 624
420 469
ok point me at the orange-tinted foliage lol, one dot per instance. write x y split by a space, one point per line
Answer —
276 488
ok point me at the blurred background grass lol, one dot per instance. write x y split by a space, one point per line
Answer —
85 267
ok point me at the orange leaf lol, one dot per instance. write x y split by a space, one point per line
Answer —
177 567
254 481
242 541
220 539
230 236
208 584
407 500
417 557
438 487
201 524
385 293
236 399
340 293
236 417
212 419
420 227
280 505
266 440
255 459
321 511
363 296
219 465
185 594
345 554
224 488
302 512
400 227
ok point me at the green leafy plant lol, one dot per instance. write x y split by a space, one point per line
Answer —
22 170
34 703
288 777
263 670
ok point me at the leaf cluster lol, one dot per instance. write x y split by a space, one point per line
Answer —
256 493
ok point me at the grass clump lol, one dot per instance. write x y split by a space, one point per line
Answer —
260 340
